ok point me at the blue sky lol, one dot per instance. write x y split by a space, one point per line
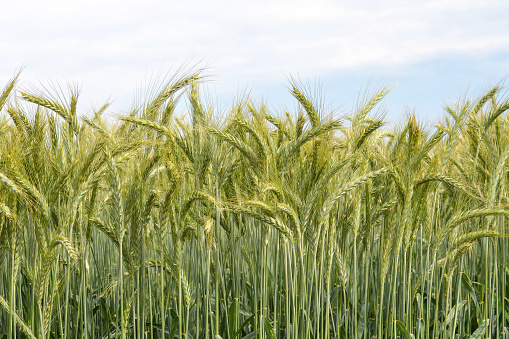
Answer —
431 51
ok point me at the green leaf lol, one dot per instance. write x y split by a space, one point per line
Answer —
232 317
251 335
478 334
402 329
453 311
467 284
269 331
244 324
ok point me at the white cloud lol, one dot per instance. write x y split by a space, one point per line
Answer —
111 45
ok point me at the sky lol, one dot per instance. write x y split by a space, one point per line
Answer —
430 52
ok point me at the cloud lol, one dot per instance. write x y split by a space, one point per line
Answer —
111 45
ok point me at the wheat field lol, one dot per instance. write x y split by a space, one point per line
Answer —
251 222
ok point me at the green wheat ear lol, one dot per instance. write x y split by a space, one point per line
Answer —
6 92
248 221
